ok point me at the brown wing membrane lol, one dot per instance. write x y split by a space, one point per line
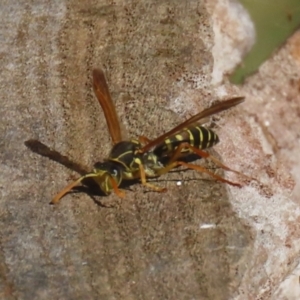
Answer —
203 114
102 93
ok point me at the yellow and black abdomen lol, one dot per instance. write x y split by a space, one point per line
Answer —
197 136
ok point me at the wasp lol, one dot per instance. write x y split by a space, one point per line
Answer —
142 158
189 137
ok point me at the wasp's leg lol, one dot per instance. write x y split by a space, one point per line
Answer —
177 154
175 164
147 184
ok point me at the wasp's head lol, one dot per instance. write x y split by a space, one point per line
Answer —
108 176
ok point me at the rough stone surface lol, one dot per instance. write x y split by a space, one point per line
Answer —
201 239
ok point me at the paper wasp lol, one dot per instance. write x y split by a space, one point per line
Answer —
143 158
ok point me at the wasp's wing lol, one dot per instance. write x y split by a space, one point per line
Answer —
201 115
102 93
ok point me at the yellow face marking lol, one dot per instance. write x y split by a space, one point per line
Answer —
103 183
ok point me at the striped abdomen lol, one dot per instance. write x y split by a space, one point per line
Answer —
197 136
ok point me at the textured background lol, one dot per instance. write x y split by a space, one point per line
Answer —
200 240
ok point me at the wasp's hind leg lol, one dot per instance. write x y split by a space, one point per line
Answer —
173 163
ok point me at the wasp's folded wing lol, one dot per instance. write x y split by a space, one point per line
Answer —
102 93
221 106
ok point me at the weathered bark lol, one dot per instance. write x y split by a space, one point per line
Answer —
156 54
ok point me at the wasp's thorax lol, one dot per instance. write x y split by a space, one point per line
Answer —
151 163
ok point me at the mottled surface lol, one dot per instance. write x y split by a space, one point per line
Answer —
201 239
185 244
273 110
